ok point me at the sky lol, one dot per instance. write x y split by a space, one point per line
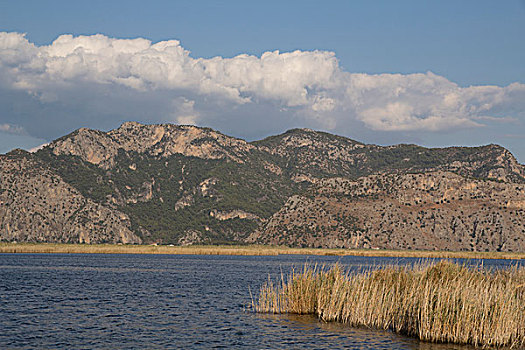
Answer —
441 73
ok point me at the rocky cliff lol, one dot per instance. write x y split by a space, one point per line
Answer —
184 185
165 140
36 205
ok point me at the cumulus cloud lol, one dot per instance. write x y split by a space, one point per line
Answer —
308 88
184 112
11 129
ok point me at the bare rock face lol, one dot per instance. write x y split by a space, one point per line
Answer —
310 153
93 146
190 238
36 205
233 214
438 210
164 140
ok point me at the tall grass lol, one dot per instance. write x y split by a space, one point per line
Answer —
441 302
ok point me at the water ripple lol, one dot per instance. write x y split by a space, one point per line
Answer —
166 302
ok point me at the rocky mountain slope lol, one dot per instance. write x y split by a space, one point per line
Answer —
438 210
101 148
184 185
37 205
318 154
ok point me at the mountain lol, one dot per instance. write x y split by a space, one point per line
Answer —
321 154
36 204
185 185
438 210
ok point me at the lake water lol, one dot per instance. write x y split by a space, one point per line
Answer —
167 301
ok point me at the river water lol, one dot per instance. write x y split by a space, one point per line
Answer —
105 301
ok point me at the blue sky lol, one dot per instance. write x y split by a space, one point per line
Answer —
468 43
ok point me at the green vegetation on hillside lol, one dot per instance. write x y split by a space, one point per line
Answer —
231 189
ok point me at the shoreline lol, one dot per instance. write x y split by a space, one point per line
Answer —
441 302
255 250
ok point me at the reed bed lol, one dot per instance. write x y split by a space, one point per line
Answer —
437 302
241 250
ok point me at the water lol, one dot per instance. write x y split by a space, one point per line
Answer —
167 301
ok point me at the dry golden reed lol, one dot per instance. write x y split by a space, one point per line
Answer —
441 302
59 248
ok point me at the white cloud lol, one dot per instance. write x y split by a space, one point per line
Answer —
11 129
184 112
37 148
308 86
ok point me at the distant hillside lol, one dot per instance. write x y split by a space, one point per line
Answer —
36 205
439 210
185 185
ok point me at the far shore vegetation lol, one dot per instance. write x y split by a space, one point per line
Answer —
57 248
441 302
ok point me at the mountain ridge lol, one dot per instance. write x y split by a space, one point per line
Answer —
184 184
210 144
